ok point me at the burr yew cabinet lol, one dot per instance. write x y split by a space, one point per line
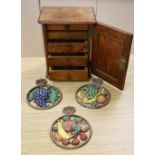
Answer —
76 46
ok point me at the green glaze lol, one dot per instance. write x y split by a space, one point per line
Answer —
65 118
77 119
53 96
93 104
77 129
30 95
90 91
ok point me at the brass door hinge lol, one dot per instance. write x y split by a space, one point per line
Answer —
122 63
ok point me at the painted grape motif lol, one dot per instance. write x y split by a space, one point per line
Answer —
90 91
44 96
92 96
41 96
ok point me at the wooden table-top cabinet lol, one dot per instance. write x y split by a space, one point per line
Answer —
76 46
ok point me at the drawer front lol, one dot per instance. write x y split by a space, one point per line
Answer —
67 47
67 35
68 61
67 27
68 75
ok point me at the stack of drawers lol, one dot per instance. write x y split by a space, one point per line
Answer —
67 51
73 38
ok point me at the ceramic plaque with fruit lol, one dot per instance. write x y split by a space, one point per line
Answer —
43 96
93 95
70 131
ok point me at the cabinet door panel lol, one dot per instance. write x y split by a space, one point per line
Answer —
110 54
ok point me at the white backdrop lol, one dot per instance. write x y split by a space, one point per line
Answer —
117 13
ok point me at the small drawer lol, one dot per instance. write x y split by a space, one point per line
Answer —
63 47
67 27
68 60
67 35
68 75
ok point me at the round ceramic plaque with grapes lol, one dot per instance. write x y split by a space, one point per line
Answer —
93 95
43 96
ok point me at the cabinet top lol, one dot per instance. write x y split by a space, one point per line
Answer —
67 15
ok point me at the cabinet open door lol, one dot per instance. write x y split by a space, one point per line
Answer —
110 54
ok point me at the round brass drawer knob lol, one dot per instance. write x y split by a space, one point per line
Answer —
67 26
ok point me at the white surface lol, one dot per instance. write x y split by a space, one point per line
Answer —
112 125
32 36
117 13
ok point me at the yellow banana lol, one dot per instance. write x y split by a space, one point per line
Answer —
102 91
79 94
86 101
62 132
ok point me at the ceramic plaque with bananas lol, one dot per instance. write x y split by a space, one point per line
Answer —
70 131
93 95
